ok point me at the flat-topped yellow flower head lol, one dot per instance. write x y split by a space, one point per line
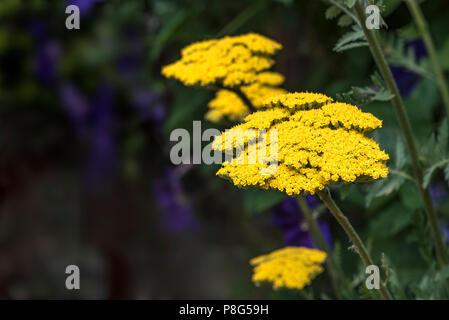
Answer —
227 104
226 63
317 142
290 267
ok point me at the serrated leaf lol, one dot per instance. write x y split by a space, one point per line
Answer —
384 188
428 176
391 221
332 12
383 95
350 3
377 80
351 45
350 40
345 21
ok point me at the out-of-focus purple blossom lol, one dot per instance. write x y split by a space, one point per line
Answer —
47 53
289 217
406 80
85 6
46 62
170 196
94 123
102 161
76 106
438 194
444 229
150 105
131 65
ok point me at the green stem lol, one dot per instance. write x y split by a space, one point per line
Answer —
314 229
423 28
353 236
404 123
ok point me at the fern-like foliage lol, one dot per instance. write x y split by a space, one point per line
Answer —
350 40
366 95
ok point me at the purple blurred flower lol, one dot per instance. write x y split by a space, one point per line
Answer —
170 196
47 53
438 193
47 59
150 105
289 218
76 105
444 229
406 80
101 163
85 6
131 65
94 123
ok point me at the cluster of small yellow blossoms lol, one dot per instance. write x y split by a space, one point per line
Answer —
290 267
316 142
224 63
227 103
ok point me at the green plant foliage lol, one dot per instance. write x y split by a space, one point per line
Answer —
366 95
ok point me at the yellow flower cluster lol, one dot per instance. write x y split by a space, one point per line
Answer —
227 62
316 142
227 103
290 267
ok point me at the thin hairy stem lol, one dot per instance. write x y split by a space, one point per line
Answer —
353 237
315 230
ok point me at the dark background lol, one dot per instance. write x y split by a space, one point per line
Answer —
85 176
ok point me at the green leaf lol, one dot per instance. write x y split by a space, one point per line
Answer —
410 196
349 3
345 21
255 201
443 54
384 187
391 221
444 273
428 176
351 45
332 12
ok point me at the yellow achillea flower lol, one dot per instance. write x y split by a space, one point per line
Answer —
319 142
225 63
290 267
227 103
